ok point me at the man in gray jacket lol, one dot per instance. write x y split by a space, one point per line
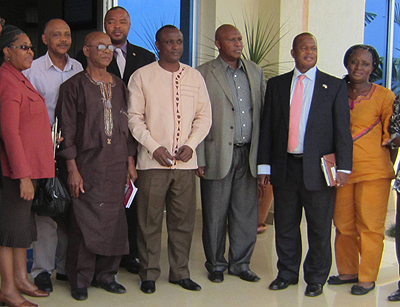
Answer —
227 157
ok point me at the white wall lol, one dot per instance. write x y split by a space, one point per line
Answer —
336 24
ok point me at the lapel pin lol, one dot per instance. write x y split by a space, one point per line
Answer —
324 86
134 54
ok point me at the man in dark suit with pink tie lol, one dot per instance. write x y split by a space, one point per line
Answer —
306 115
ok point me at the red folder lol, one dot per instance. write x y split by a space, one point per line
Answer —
130 192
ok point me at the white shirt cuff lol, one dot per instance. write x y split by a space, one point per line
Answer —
264 169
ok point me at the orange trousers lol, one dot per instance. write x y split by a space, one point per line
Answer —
359 217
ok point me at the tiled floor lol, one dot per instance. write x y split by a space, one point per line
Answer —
233 291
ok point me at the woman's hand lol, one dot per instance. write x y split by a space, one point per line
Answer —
27 191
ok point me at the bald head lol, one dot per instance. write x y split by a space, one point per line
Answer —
222 30
300 36
94 36
53 24
229 43
57 37
99 58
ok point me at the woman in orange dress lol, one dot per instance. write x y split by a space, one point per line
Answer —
361 204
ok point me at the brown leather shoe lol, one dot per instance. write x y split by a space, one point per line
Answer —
5 302
34 293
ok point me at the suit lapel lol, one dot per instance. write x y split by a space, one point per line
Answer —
219 74
318 96
130 60
250 74
284 91
113 67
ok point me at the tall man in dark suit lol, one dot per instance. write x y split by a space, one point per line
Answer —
127 58
306 115
117 23
228 157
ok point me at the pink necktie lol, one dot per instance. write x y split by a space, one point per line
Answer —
295 113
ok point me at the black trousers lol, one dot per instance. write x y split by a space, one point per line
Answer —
289 201
132 219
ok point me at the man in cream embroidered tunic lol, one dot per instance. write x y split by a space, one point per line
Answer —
169 115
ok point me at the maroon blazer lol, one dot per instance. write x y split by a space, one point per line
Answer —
26 145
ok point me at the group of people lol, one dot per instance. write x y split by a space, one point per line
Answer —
125 117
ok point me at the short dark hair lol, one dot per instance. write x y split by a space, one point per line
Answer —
300 35
116 8
158 34
372 51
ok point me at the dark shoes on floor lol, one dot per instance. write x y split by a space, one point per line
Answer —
112 287
359 290
335 280
62 277
187 284
80 294
313 290
395 296
280 284
247 275
43 282
131 265
216 276
148 286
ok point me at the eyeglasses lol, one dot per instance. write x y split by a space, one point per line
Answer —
2 21
23 47
102 47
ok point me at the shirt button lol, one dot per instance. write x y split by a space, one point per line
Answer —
230 143
233 109
231 127
238 87
242 112
244 125
240 99
235 76
243 137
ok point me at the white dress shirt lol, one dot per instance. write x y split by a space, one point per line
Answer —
47 78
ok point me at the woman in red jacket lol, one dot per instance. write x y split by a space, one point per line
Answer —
26 155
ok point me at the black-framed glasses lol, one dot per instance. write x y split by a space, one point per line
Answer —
2 22
23 47
102 47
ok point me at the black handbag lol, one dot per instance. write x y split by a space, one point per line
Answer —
51 197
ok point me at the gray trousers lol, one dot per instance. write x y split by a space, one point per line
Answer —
231 200
173 190
52 241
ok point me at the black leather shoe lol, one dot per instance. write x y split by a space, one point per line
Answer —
43 282
112 287
131 265
62 277
395 296
280 284
187 284
335 280
80 294
248 276
216 276
148 286
359 290
313 290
